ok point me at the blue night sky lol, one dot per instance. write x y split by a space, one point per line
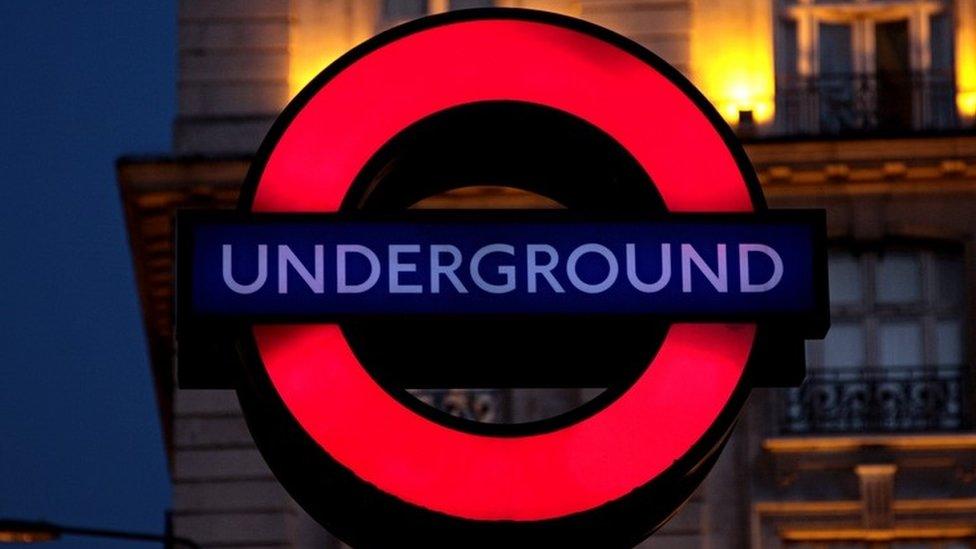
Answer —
80 443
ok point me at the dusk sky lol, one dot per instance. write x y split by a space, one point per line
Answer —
83 83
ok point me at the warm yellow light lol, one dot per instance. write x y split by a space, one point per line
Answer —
733 95
966 81
966 60
26 537
732 57
15 531
322 31
966 103
302 71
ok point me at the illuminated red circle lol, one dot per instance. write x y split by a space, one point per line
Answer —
522 478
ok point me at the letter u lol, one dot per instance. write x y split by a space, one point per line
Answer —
228 250
639 284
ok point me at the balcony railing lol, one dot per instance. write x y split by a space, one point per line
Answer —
481 405
851 104
877 400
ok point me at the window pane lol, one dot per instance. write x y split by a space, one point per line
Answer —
900 343
950 281
786 56
941 41
835 49
940 84
845 279
462 4
844 346
394 10
948 343
835 87
813 349
899 278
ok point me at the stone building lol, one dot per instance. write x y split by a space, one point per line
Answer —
863 107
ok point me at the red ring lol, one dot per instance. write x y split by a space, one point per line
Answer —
534 477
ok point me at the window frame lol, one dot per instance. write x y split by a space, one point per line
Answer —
798 91
927 310
431 7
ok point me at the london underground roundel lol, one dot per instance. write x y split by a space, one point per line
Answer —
663 279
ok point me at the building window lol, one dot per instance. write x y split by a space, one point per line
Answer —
403 10
466 4
394 12
865 66
893 308
894 357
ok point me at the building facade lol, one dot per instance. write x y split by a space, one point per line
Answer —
866 108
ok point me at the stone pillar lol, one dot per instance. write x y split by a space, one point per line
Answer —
877 494
224 495
233 80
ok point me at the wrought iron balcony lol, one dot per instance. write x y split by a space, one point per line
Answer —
852 103
877 400
481 405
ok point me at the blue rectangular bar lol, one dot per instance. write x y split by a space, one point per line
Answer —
680 267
